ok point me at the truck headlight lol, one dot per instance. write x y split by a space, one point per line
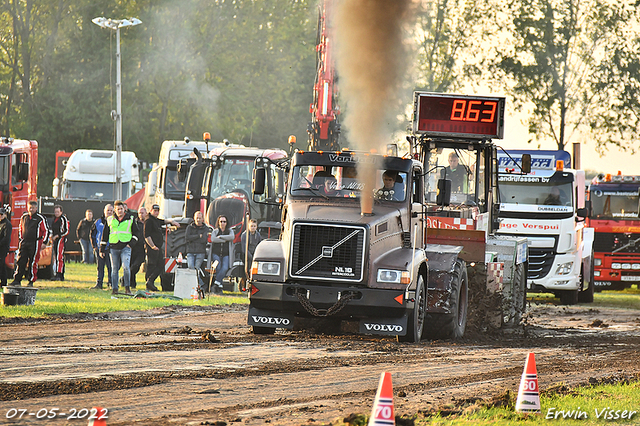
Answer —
597 262
265 268
393 276
616 266
564 269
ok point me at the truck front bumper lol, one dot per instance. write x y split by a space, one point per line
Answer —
556 281
380 311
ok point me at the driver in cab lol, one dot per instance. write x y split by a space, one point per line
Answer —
389 190
456 173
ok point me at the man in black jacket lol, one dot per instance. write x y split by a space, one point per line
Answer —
154 238
137 251
83 233
5 242
59 232
33 233
197 236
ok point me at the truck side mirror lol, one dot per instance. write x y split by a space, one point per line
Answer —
444 192
583 212
526 163
259 179
495 220
183 170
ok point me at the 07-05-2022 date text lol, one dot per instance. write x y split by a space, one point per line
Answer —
54 412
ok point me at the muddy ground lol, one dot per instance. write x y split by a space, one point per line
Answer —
178 366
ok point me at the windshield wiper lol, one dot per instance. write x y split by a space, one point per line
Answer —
315 191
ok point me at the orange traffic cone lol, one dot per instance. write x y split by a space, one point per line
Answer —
382 412
98 416
529 395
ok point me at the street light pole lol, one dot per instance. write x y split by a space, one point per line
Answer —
116 24
118 120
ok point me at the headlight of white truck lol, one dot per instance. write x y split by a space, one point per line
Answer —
393 276
265 268
564 268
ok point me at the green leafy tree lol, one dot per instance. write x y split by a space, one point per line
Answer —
554 53
444 33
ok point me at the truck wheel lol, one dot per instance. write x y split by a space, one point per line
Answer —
568 297
518 304
586 296
453 324
415 320
262 330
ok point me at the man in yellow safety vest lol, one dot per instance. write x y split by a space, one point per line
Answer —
120 233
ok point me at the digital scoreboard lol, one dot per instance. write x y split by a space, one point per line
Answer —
458 116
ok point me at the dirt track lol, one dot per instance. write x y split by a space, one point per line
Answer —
161 367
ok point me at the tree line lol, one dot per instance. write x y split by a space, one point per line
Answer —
244 69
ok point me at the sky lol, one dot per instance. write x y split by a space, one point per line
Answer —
614 160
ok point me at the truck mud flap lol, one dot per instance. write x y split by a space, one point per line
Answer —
384 326
264 318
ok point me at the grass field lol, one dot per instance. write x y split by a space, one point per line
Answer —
74 295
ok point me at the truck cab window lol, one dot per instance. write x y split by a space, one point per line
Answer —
4 170
455 165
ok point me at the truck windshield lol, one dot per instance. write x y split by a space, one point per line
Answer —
534 191
342 182
613 204
234 174
173 188
93 190
457 166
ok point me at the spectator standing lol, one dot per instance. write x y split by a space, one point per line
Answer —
96 238
5 242
154 238
120 235
137 251
221 250
83 233
248 247
197 235
59 232
33 232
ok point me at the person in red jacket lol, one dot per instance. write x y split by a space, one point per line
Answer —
59 232
33 232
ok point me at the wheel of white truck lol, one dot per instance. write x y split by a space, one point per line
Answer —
586 296
453 324
262 330
415 321
568 297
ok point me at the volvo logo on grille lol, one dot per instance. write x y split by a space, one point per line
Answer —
327 251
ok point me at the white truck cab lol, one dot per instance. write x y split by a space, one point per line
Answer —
547 206
163 186
91 175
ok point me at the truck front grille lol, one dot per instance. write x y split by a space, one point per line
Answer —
540 262
607 242
327 252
